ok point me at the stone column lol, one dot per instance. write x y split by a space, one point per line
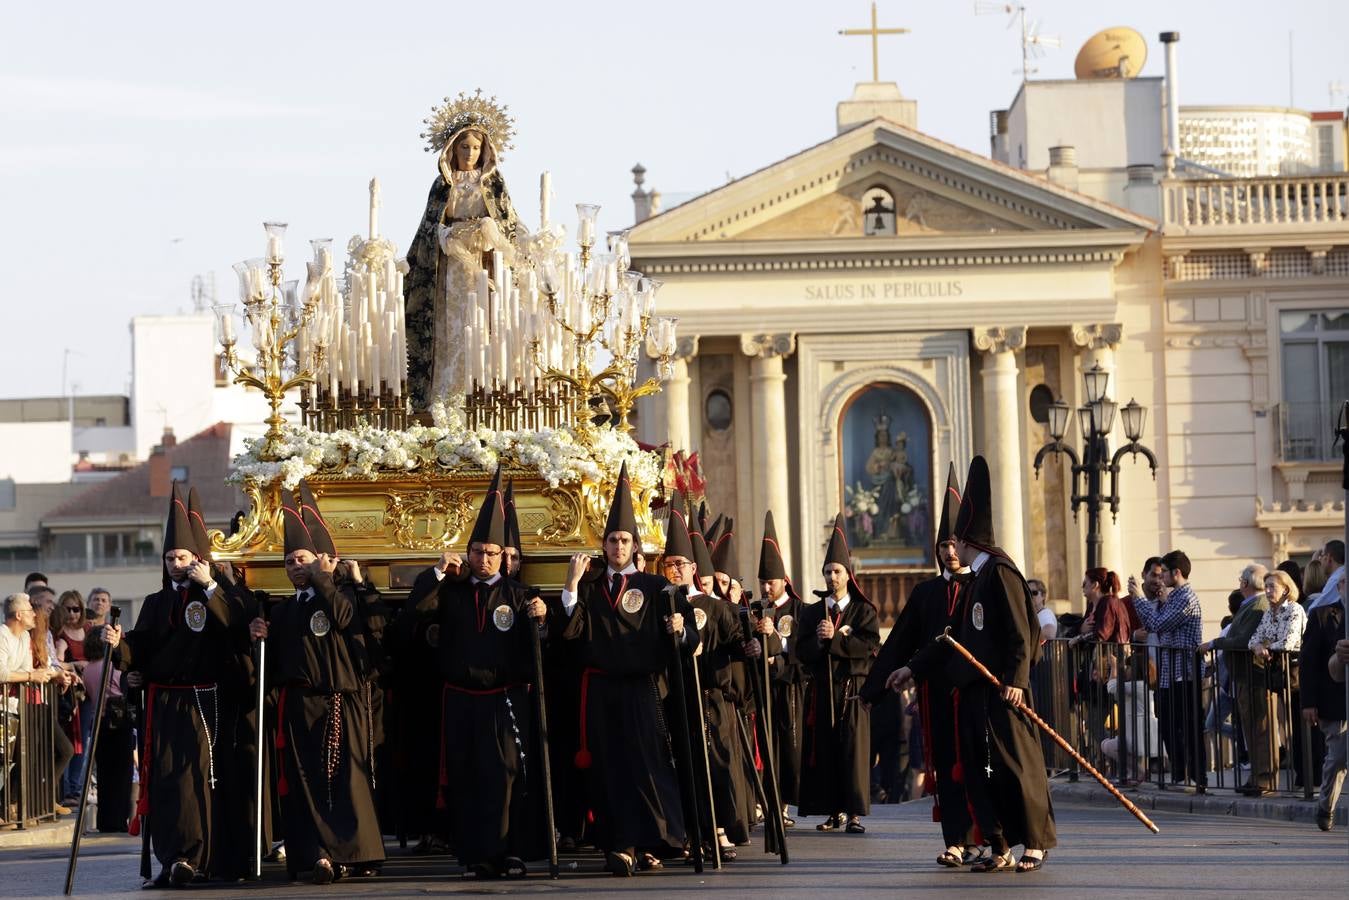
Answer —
768 415
1098 343
1002 433
678 427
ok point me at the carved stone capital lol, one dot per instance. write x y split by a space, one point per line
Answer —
1318 253
1174 265
999 338
1098 336
1259 260
781 344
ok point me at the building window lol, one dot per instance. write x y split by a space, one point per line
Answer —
878 212
178 473
717 410
1315 361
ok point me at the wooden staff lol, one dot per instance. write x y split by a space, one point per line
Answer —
683 742
259 772
108 666
1044 726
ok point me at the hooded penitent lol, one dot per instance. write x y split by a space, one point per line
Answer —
490 528
974 524
712 534
313 521
702 556
677 540
621 515
838 552
297 532
771 564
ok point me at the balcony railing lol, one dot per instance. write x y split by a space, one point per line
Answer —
1306 432
1200 204
67 564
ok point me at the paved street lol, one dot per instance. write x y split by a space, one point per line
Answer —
1100 851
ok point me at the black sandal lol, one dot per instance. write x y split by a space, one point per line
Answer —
646 862
514 867
1030 863
855 826
833 823
950 860
996 863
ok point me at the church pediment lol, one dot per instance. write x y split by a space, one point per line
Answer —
882 179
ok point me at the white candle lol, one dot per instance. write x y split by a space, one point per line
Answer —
545 201
273 248
374 208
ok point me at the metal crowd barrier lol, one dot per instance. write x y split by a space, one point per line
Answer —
31 783
1225 720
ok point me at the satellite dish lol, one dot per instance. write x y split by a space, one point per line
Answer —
1112 53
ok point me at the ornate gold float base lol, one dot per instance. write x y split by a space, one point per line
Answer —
398 524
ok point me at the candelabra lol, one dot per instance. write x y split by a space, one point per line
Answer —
276 318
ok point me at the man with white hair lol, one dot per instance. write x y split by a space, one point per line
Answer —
1246 689
16 646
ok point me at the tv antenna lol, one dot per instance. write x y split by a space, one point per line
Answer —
1337 89
203 292
1033 43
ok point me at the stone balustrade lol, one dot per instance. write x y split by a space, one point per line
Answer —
1200 205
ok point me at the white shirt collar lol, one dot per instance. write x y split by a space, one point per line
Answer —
783 599
493 580
629 569
840 603
979 561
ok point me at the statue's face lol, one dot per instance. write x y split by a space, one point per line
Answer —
467 151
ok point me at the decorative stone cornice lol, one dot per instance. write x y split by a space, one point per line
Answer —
1253 344
1098 336
1000 338
708 265
781 344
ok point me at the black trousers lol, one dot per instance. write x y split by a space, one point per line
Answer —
113 760
1180 717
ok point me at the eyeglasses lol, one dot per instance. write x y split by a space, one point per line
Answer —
490 554
74 609
680 564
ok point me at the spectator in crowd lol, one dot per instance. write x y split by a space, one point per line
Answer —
16 647
1248 684
1279 631
31 579
100 602
1178 624
70 652
1294 572
44 658
1109 618
1323 701
1137 721
1220 711
1332 557
1049 623
43 599
116 741
1313 579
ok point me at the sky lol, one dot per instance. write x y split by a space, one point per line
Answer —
142 144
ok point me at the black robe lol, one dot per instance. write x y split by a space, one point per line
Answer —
732 792
1001 758
933 605
325 737
486 656
836 771
634 788
189 649
787 680
418 712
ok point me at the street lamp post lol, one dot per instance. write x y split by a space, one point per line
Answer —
1096 419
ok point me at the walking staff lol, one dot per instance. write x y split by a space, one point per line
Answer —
543 747
106 678
772 801
1021 706
682 727
260 773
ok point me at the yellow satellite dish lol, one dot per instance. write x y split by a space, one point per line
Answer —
1112 53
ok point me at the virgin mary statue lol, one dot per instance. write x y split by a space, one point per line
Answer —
468 216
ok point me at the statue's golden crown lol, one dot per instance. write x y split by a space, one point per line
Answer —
467 111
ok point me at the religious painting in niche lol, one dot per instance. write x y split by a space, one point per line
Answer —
878 212
887 476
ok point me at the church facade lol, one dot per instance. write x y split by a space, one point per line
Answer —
857 315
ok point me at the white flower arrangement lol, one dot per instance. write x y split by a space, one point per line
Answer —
366 452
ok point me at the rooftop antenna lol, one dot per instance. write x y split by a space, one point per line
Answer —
1337 89
1033 43
203 292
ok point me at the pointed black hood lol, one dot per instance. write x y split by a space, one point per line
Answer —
837 551
974 524
950 507
714 532
178 532
771 564
677 539
702 517
313 520
199 533
701 556
297 532
512 522
621 515
725 559
490 528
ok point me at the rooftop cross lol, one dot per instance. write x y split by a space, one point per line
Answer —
875 31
